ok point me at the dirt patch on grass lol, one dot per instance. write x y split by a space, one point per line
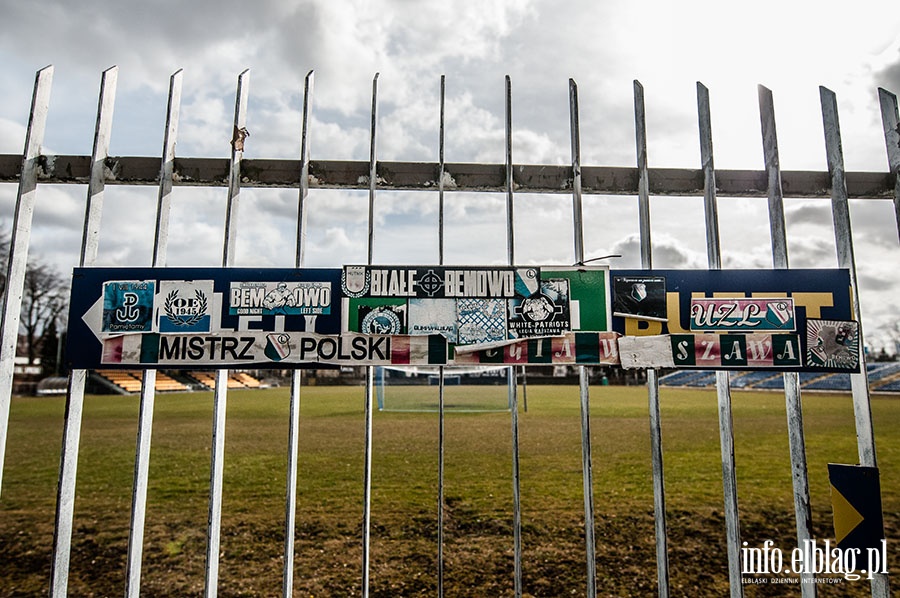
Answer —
478 556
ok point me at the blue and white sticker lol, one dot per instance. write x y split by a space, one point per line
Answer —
185 306
128 306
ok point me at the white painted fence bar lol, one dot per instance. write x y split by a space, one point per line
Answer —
167 171
577 209
587 476
290 501
643 189
370 379
512 388
723 389
793 405
220 394
840 210
656 456
148 378
890 120
20 239
440 498
65 501
96 171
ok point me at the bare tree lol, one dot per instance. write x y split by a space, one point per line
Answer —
44 301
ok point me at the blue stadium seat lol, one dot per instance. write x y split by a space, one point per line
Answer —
751 379
880 371
892 386
677 378
831 382
773 383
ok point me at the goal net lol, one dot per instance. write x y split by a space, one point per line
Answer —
417 389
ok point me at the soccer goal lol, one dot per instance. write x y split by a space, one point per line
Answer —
466 390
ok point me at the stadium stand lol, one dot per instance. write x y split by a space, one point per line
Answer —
832 382
883 377
771 383
705 379
881 371
126 380
246 379
751 379
235 379
207 379
807 377
677 378
130 381
892 386
166 383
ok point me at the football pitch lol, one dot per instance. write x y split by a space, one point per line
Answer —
478 549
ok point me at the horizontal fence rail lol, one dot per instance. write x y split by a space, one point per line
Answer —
424 176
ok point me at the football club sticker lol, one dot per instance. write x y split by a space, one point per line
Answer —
278 346
832 344
128 306
355 281
542 313
381 319
640 297
184 306
746 351
279 298
741 314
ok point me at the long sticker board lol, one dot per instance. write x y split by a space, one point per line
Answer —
791 320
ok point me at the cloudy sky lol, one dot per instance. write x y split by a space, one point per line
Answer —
791 47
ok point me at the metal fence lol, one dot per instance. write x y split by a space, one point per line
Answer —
235 173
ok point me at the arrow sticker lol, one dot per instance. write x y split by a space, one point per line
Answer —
856 503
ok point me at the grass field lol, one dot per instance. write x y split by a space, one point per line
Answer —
478 533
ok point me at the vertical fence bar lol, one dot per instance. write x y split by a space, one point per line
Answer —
148 381
511 372
510 195
840 209
575 138
370 381
440 557
890 120
723 390
20 239
65 501
220 398
441 175
793 405
844 245
583 377
167 171
290 501
773 176
656 456
640 132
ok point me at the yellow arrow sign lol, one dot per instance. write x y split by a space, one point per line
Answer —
856 501
846 518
